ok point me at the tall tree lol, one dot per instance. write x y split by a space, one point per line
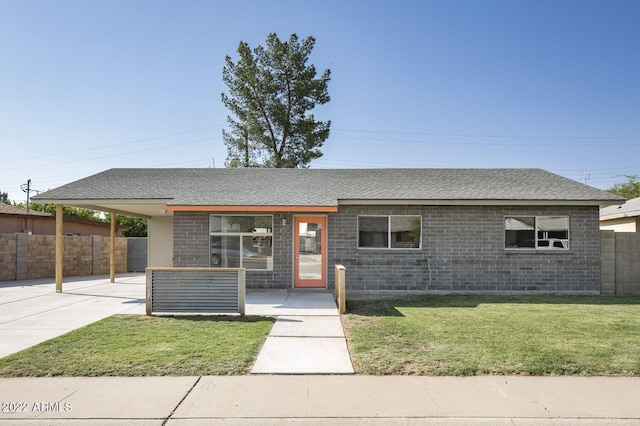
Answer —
630 189
272 90
4 198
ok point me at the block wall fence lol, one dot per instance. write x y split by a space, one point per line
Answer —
620 272
26 257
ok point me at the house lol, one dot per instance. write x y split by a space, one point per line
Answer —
621 218
423 230
17 220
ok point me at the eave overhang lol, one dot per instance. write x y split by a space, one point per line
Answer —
257 208
143 208
475 202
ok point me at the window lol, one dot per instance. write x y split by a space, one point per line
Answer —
537 232
241 242
395 232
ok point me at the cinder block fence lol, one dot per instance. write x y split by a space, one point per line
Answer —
25 257
620 265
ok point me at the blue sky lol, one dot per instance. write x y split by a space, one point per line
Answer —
90 85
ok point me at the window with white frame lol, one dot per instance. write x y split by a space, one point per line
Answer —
537 232
390 232
239 241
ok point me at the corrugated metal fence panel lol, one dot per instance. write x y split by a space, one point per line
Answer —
137 254
194 292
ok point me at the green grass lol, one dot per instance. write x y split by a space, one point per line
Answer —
478 335
129 345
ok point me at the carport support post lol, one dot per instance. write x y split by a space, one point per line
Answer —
112 250
59 247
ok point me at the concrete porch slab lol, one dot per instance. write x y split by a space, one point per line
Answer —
277 303
304 355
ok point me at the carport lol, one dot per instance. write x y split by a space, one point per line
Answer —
154 210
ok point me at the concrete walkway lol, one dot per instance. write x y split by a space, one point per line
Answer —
307 337
321 400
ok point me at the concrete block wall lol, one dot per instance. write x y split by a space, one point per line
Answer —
374 269
105 256
8 256
608 262
463 251
191 248
96 253
41 257
191 240
621 265
24 256
78 256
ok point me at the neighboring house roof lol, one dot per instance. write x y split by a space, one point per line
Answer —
631 208
6 209
197 188
13 210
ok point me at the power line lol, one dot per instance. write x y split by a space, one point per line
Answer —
461 135
116 144
111 156
423 142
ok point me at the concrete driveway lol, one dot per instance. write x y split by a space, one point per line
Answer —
31 311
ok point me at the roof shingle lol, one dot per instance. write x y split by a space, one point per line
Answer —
325 187
631 208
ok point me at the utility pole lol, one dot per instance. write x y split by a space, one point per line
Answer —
26 187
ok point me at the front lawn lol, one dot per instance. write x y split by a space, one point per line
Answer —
478 335
127 345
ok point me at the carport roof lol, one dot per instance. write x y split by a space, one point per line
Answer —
129 190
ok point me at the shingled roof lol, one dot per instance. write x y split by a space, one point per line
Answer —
631 208
17 211
326 187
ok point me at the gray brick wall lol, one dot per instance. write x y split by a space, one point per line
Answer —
462 251
191 239
191 248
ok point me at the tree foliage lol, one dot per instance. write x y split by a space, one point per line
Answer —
66 210
4 198
137 226
630 189
272 90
